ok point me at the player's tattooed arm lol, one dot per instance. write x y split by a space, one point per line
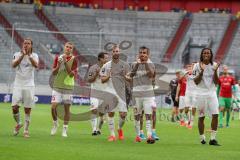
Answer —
105 77
17 61
198 78
177 92
128 77
134 70
215 75
91 76
67 67
33 62
127 74
150 70
169 89
56 68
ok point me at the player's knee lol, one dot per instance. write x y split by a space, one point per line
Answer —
15 109
123 115
154 110
27 110
101 114
94 111
111 114
54 105
148 116
201 119
215 116
221 109
137 117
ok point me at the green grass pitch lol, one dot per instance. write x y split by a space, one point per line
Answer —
175 142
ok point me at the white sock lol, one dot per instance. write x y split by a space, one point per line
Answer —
213 135
17 118
111 125
186 118
27 122
94 122
65 127
141 131
153 130
149 128
55 122
137 127
192 120
121 123
202 137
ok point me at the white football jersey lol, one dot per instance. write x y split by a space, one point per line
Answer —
97 84
141 81
206 86
117 72
25 71
237 90
191 86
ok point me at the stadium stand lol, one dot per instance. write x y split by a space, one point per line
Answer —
233 56
226 40
210 26
6 55
91 29
151 29
23 18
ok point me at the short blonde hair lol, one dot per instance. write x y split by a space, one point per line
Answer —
115 46
69 43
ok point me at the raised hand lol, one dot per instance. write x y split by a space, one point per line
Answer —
139 61
64 58
23 51
202 66
98 71
60 59
216 67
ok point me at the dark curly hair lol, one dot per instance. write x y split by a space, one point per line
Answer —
211 58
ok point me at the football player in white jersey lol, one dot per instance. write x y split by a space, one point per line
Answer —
190 98
206 74
25 62
96 85
114 74
143 72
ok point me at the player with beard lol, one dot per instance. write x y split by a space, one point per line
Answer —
96 85
143 71
114 74
24 62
